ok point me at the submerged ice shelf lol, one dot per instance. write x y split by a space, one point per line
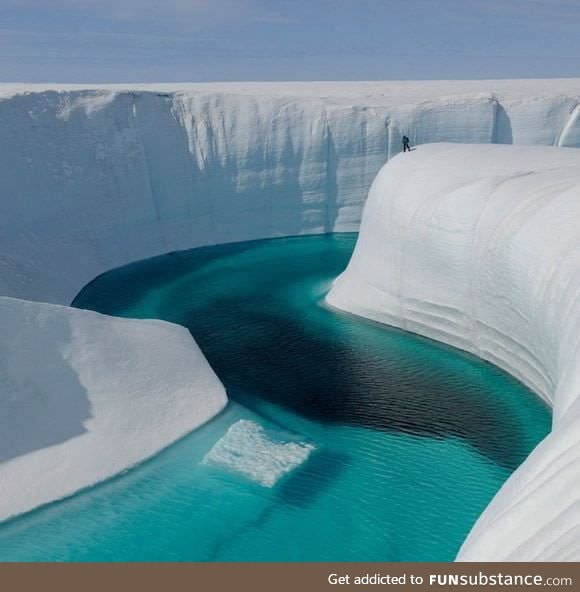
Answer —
484 255
247 449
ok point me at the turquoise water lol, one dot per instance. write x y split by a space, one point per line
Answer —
412 438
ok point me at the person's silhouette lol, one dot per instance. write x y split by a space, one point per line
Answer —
406 144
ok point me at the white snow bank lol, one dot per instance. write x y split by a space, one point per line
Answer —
97 177
247 449
479 247
84 396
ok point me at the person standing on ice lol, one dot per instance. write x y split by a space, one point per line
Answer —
406 144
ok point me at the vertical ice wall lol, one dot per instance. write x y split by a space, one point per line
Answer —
96 178
479 247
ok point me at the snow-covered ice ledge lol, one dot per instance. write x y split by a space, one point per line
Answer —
479 247
84 396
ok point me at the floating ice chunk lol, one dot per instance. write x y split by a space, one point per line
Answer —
247 449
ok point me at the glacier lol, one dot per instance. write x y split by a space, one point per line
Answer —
95 177
100 177
479 247
84 396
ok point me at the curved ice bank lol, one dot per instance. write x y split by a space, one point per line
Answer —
84 396
479 247
95 178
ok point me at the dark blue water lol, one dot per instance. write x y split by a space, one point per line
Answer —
411 438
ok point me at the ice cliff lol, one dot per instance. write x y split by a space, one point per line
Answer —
93 178
84 396
479 247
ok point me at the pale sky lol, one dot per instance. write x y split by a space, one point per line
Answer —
221 40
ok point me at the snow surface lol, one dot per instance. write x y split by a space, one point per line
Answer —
479 247
84 396
246 448
97 177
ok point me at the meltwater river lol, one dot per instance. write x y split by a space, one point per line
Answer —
408 439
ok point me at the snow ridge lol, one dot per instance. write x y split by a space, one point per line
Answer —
479 247
84 396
